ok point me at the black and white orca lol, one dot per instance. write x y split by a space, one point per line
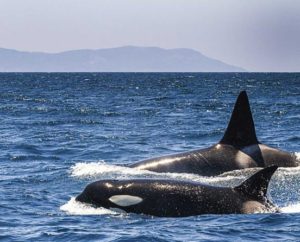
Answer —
238 149
170 198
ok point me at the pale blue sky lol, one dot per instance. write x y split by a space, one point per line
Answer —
259 35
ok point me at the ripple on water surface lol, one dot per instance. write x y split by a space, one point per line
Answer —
57 127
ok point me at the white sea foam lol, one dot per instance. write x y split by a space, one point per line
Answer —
73 207
292 208
85 169
284 172
101 170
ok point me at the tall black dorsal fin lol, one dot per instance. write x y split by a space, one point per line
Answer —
257 185
241 130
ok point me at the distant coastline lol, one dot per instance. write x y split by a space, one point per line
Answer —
121 59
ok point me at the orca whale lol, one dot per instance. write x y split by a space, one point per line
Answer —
238 149
170 198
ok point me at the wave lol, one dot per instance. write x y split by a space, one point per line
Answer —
292 208
85 169
103 170
73 207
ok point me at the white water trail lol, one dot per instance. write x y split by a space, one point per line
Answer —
84 169
101 170
292 208
73 207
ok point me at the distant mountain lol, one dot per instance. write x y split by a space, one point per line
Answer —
122 59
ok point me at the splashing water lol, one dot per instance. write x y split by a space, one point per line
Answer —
84 169
73 207
101 170
292 208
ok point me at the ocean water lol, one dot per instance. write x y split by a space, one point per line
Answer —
61 131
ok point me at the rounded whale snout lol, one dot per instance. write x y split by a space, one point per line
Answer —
82 197
88 194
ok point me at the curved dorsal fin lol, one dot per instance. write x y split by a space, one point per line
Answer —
257 185
240 131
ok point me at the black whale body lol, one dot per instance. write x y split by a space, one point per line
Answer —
172 198
238 149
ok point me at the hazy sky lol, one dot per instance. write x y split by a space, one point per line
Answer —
259 35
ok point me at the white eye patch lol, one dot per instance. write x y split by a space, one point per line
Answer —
125 200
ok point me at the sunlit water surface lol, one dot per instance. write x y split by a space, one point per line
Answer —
61 131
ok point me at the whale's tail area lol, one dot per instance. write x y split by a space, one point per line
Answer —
241 130
257 185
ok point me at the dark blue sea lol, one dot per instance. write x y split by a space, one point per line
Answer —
61 131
